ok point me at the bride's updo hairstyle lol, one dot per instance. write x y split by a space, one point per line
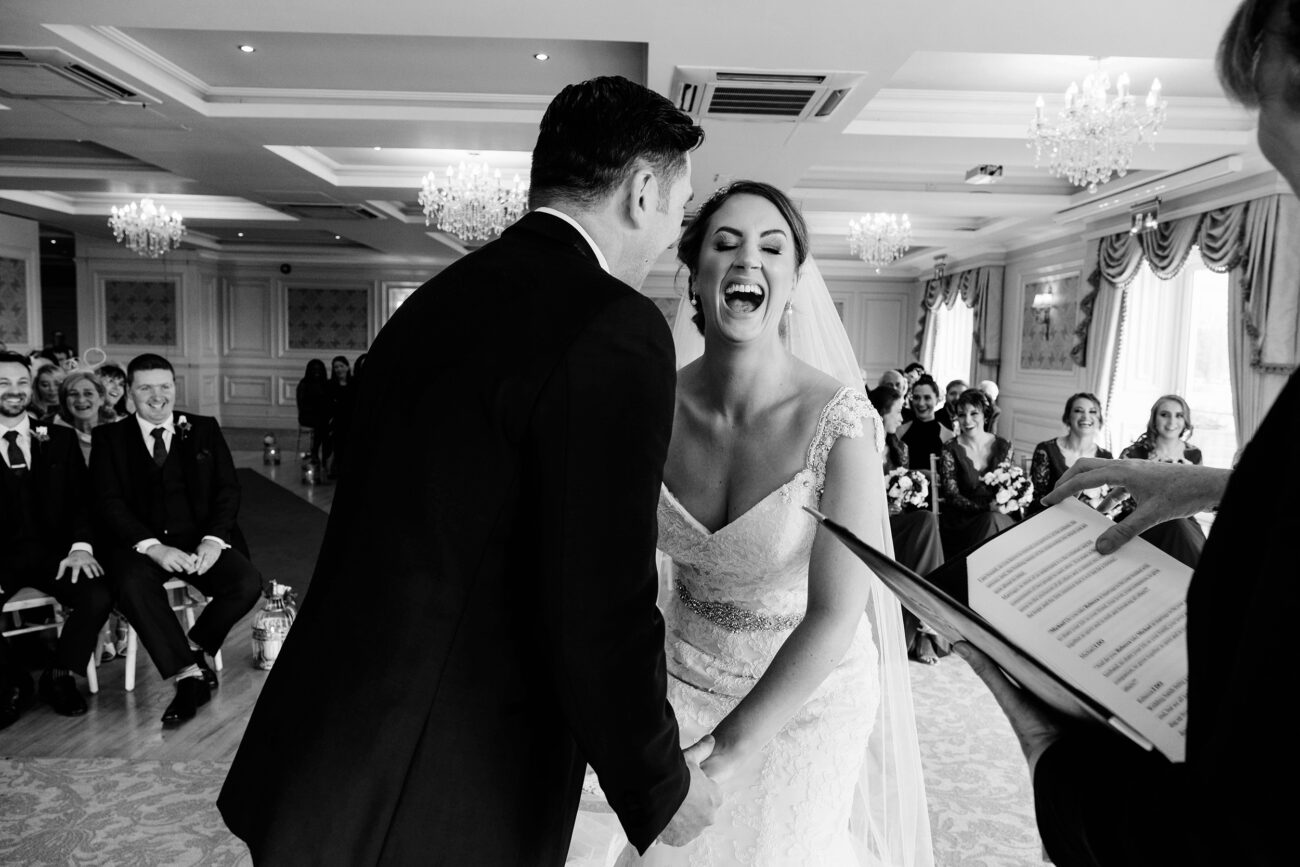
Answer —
595 132
692 241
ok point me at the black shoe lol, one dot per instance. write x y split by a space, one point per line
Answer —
61 693
15 694
209 676
191 694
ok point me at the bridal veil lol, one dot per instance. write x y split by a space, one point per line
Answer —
890 823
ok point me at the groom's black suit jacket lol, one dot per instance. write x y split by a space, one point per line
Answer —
481 623
1102 802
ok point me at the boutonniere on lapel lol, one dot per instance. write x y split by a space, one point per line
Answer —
182 426
41 434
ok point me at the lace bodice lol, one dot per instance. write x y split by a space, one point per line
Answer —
759 561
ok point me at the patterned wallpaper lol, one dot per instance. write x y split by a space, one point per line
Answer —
13 300
328 318
140 312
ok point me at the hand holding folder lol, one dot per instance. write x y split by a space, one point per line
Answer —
1096 637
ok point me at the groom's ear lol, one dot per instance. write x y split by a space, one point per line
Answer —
641 194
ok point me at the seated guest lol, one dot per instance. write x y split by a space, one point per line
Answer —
1166 439
45 534
114 379
894 379
990 389
167 497
1053 457
83 404
970 513
948 415
916 533
45 391
914 371
924 434
313 399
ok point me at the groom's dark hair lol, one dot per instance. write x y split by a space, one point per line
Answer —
593 133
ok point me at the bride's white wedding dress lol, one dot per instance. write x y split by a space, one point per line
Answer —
736 595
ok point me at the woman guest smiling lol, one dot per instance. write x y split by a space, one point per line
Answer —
970 511
924 435
1083 421
83 404
1166 439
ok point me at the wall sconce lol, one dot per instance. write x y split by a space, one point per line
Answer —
1144 217
1042 306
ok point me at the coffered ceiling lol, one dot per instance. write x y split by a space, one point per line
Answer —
317 139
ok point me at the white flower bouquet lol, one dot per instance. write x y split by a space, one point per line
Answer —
1012 489
907 490
1094 497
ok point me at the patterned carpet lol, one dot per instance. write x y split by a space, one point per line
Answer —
121 812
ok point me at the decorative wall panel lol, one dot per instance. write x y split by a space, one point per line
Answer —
331 319
1047 333
140 312
248 319
255 390
13 300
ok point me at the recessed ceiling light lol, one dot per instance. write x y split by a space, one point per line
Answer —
541 55
378 148
53 241
338 237
240 234
247 49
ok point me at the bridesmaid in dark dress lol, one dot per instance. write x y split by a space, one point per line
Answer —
1166 439
924 435
1083 420
970 514
916 534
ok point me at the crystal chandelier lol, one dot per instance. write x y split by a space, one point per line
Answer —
880 238
148 229
1094 135
471 202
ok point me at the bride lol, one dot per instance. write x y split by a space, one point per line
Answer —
768 648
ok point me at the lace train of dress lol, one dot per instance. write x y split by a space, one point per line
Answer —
737 594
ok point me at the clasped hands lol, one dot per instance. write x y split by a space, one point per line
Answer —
1163 492
175 560
703 798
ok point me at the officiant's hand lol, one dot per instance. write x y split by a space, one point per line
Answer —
700 808
1034 724
1162 491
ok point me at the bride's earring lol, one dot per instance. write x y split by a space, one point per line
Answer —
694 298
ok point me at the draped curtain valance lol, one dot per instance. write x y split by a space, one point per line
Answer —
978 288
1251 242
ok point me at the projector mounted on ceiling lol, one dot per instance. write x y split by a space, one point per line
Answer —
985 174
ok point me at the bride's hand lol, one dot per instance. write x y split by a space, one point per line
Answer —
721 764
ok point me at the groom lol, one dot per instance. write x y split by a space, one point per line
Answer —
481 624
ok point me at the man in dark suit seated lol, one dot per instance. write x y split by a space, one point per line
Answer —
45 533
166 493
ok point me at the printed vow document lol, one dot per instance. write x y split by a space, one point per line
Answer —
1091 635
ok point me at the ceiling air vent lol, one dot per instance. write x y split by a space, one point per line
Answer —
52 74
761 95
317 211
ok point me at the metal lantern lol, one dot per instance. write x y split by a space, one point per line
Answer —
310 472
271 624
270 450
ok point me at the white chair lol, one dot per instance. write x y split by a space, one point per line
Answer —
181 601
25 600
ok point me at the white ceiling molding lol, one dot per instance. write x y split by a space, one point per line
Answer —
1097 207
191 207
113 46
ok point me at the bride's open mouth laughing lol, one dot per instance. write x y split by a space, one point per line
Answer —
743 297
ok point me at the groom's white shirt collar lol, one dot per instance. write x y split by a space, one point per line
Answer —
600 257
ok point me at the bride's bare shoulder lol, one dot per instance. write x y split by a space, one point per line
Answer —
813 388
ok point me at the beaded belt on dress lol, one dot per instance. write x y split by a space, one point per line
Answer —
734 619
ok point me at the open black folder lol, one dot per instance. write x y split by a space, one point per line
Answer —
1117 655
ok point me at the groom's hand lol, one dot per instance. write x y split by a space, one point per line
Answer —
697 812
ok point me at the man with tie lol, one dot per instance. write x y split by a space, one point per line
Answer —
167 496
45 534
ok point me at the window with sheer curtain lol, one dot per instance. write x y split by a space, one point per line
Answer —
953 336
1175 341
